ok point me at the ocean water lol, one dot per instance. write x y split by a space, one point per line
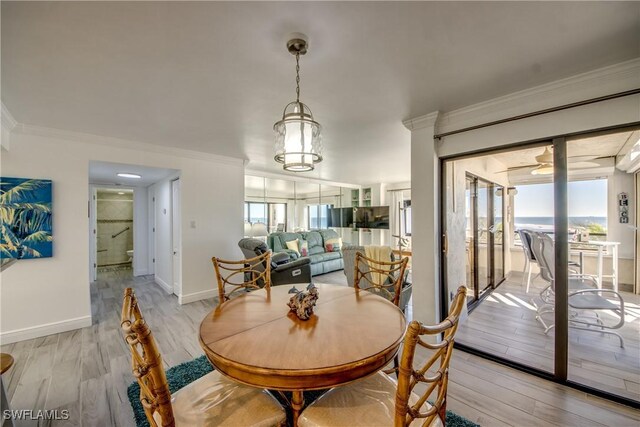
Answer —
574 221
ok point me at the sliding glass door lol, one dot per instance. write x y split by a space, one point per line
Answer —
553 223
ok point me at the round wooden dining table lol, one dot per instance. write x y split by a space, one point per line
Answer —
256 340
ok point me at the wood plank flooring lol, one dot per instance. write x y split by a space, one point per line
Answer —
87 371
504 324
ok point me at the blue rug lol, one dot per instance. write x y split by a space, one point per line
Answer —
187 372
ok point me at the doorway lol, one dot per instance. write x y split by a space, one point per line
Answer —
112 229
576 196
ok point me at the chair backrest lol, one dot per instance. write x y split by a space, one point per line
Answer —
382 277
349 259
146 363
544 249
526 239
251 247
242 275
409 377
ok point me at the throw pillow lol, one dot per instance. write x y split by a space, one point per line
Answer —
333 245
293 245
304 248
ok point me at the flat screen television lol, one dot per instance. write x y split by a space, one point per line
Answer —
372 217
341 217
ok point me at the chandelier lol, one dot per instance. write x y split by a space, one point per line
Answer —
298 139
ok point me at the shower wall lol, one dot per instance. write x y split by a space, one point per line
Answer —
115 227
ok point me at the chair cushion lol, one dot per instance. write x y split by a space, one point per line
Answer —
214 400
369 402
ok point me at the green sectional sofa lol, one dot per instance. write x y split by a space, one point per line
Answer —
321 260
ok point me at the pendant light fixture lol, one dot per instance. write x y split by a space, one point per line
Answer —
298 139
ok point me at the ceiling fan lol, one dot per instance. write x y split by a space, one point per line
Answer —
544 165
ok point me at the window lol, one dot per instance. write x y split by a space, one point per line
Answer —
318 216
270 214
587 202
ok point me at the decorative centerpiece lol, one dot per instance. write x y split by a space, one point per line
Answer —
302 302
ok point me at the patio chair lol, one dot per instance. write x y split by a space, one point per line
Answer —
529 257
526 237
584 296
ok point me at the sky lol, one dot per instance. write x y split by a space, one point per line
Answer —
586 198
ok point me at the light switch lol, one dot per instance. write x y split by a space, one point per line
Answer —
193 224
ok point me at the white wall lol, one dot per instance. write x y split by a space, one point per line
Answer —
616 232
425 179
51 295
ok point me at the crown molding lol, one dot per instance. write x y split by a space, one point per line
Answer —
600 82
88 138
420 122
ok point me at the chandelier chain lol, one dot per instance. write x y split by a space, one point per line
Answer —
297 77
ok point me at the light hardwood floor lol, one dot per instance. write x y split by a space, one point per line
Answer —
87 371
504 324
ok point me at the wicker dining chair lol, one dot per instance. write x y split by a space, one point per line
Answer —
384 278
211 400
380 277
243 275
379 400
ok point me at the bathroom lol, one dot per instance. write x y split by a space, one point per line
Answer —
114 229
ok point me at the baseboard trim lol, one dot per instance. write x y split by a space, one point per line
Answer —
164 285
197 296
140 272
16 335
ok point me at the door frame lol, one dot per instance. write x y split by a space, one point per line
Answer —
93 224
176 237
480 294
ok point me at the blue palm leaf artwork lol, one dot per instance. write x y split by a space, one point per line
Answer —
25 218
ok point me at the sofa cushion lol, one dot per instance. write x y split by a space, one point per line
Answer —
314 239
328 234
325 257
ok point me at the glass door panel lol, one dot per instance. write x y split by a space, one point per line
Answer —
482 236
479 227
604 342
497 235
470 238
